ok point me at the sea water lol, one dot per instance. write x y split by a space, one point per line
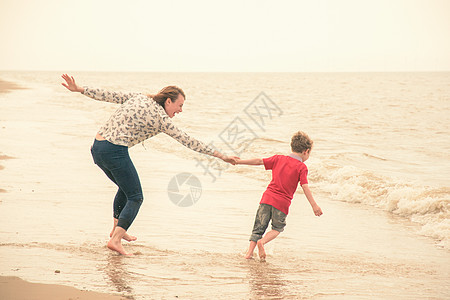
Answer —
380 170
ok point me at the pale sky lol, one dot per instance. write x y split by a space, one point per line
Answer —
228 36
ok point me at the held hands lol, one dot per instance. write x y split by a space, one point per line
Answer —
230 159
70 84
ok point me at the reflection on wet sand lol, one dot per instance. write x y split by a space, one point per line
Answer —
266 281
119 276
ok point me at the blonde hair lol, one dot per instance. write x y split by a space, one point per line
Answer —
300 142
171 92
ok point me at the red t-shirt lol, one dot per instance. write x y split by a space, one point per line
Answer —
287 172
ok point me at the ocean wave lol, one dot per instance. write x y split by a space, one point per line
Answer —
424 205
268 140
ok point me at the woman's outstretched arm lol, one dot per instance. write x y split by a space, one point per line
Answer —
182 137
97 94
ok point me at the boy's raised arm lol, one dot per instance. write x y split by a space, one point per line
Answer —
252 161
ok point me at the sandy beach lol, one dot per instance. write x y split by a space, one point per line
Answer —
6 86
14 288
55 208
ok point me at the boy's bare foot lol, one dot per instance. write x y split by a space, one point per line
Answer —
261 251
117 246
250 250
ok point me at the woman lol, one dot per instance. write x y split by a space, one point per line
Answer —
138 118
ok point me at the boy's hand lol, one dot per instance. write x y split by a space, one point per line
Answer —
309 196
231 159
317 210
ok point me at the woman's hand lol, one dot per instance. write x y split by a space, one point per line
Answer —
230 159
70 84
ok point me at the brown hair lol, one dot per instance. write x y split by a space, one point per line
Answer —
301 142
171 92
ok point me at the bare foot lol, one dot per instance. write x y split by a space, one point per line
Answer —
126 237
117 246
261 251
249 255
129 238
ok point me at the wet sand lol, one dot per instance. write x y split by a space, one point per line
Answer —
3 157
57 207
14 288
6 86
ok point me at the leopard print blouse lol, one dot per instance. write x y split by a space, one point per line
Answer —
139 118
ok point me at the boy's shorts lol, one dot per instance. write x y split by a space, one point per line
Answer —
264 214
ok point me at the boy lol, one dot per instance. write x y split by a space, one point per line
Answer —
287 171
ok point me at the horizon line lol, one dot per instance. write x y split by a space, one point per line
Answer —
131 71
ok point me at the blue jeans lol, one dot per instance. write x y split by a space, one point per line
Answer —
115 161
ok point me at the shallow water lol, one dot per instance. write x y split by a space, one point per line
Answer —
383 189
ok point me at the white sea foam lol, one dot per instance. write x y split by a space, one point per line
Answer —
425 205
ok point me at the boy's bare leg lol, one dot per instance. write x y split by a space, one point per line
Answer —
267 238
126 237
115 243
250 250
